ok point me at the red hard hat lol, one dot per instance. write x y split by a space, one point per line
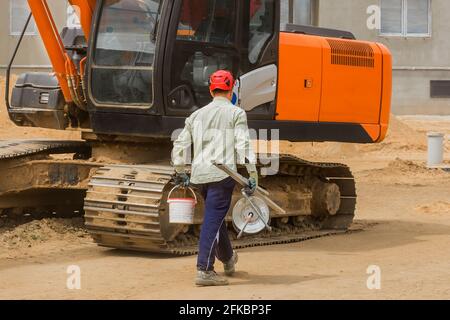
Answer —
222 80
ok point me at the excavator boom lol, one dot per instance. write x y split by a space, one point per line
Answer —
63 66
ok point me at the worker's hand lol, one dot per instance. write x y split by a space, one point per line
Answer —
253 182
182 179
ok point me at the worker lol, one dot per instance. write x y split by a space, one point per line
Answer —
219 132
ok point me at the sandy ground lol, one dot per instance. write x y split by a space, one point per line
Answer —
403 211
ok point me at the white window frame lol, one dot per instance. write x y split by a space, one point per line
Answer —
18 33
404 22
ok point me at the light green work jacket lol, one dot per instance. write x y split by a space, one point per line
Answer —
219 132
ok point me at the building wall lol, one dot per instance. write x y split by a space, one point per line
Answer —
32 52
411 94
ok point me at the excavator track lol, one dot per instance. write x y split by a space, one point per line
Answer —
126 208
13 149
35 184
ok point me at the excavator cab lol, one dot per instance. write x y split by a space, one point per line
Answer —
156 56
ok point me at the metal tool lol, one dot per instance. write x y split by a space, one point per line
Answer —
260 192
251 213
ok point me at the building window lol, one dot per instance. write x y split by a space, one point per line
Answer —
301 12
18 15
440 88
406 18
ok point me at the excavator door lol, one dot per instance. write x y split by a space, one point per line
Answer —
207 35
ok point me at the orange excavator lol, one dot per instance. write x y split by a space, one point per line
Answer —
129 77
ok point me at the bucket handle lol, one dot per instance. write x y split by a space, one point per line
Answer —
178 186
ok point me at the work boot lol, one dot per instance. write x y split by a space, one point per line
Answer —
209 278
230 266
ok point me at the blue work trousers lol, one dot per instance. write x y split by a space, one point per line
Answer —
214 240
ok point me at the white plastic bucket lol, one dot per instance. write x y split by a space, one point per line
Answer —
181 210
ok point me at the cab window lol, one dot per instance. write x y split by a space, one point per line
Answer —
262 27
125 48
207 21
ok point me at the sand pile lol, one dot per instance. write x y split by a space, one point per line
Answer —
40 231
400 138
406 166
400 166
402 171
401 134
319 151
440 207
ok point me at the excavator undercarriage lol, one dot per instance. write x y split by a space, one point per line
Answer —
125 204
132 74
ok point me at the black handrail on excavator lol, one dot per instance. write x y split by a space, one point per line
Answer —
8 70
